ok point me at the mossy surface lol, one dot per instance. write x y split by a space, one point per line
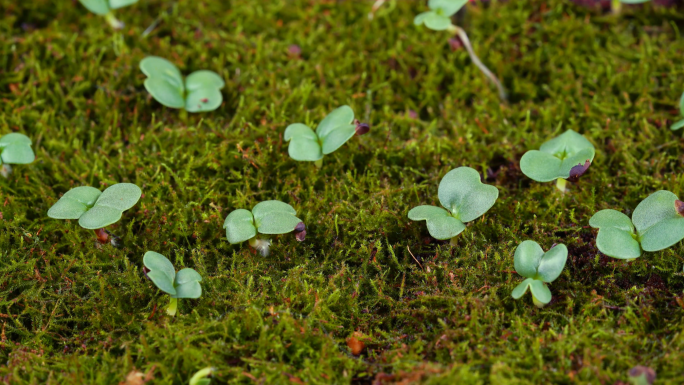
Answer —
76 312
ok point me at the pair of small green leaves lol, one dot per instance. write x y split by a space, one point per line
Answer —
268 217
679 124
657 223
182 284
199 92
103 7
539 268
566 156
16 149
332 132
465 198
438 18
94 209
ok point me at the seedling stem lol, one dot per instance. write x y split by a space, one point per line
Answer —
113 21
561 183
173 307
318 163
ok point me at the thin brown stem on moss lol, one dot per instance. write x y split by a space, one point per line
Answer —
461 33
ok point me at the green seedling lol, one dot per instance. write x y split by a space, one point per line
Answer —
464 198
14 149
332 132
438 18
679 124
198 92
106 8
96 210
539 268
563 158
182 284
657 223
616 5
200 378
268 218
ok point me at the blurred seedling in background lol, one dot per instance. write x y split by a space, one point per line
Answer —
268 218
616 5
464 197
14 149
332 132
438 18
200 378
94 209
539 268
182 284
679 124
641 375
657 223
563 158
198 92
106 8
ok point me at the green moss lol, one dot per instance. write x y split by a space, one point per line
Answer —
76 312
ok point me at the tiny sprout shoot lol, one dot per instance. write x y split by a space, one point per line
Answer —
200 378
96 210
657 223
539 268
563 158
268 218
14 149
464 198
182 284
679 124
332 132
438 18
198 92
106 8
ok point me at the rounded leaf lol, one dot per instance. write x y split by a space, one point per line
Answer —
160 68
203 99
98 217
239 225
17 154
420 18
74 203
617 243
462 193
14 138
264 208
187 284
663 234
187 275
304 144
521 289
552 263
540 166
540 291
98 7
120 196
611 218
566 144
677 125
165 92
337 137
441 225
204 79
656 208
448 7
162 272
341 116
116 4
527 257
277 223
437 22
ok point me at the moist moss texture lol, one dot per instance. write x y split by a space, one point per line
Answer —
73 311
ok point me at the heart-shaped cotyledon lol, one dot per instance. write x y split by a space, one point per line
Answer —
657 223
539 268
181 284
464 198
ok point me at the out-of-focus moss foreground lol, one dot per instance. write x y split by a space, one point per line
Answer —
72 311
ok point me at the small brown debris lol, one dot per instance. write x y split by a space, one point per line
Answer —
300 231
578 171
135 377
361 128
679 206
355 345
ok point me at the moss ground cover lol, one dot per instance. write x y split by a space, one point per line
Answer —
74 311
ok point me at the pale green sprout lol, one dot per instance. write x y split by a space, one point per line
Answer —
15 148
268 218
94 209
539 268
464 198
332 132
657 223
565 157
106 8
679 124
198 92
181 284
200 378
438 18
